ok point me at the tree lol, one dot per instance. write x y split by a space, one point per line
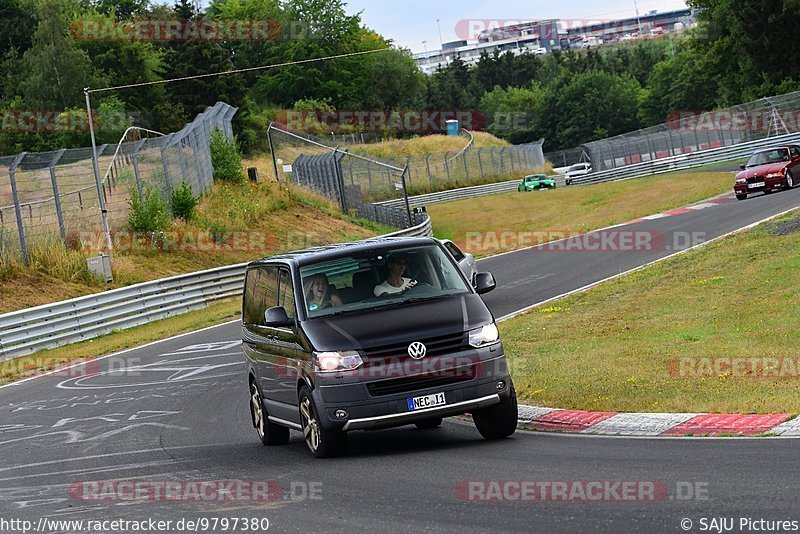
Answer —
56 70
684 82
513 113
749 45
590 106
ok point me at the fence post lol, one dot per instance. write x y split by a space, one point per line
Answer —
272 152
466 168
428 167
340 177
446 166
480 163
408 167
12 170
165 166
369 173
136 173
56 196
405 195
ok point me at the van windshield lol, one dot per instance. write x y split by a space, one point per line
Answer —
372 280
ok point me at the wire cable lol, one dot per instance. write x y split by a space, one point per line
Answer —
249 69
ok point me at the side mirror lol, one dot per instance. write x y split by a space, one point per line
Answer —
741 166
276 318
484 282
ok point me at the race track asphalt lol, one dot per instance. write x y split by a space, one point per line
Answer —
177 411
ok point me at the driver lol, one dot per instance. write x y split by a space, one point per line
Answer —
395 282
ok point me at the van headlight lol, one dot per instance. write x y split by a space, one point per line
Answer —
778 174
485 335
332 362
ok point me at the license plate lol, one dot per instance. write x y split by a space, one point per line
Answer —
426 401
759 184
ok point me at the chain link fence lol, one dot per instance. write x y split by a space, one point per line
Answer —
693 131
53 196
377 179
562 159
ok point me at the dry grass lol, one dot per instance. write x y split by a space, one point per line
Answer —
429 144
569 210
253 220
618 347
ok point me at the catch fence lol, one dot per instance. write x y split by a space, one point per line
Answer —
53 196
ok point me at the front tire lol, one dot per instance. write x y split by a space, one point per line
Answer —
741 197
789 180
321 442
499 420
269 433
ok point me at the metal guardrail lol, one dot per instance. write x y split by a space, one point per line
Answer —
454 194
61 323
685 161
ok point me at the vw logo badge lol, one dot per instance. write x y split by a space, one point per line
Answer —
417 350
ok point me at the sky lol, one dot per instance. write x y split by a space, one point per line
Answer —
410 22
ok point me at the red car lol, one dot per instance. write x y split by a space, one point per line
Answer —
768 170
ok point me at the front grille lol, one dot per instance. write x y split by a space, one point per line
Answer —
413 383
436 346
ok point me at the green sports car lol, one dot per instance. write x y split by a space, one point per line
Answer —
534 182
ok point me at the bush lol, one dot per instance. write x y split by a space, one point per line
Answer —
149 214
183 202
225 158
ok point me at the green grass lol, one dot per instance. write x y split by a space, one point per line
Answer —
618 347
567 210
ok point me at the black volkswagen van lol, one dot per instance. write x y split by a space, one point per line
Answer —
367 335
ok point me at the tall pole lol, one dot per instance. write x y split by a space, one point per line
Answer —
441 41
272 151
95 164
638 20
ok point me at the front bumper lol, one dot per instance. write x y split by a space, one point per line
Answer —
366 410
770 184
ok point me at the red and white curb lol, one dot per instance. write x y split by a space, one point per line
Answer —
657 424
680 211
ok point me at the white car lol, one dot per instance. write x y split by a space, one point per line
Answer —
579 169
540 51
465 260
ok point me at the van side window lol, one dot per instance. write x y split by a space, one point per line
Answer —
454 250
261 293
286 295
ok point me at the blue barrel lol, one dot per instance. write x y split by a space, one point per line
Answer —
452 127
